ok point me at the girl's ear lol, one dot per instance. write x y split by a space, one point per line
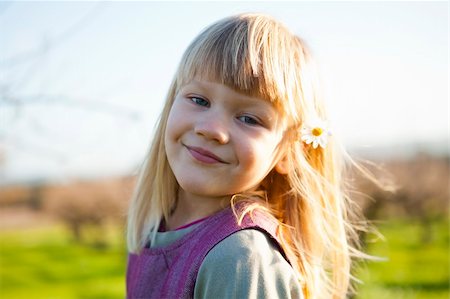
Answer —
282 166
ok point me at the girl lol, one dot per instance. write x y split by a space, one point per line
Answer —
240 195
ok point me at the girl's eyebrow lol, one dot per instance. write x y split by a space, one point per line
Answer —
195 87
196 83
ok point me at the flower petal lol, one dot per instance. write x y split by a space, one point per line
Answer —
310 130
309 141
315 143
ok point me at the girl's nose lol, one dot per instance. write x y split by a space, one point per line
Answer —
213 129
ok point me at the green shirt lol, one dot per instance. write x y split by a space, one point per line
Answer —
243 265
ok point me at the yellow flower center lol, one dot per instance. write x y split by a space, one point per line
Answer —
317 131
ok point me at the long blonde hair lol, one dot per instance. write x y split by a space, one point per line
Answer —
258 56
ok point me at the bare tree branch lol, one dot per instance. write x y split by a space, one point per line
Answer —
51 43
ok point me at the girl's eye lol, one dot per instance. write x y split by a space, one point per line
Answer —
200 101
249 120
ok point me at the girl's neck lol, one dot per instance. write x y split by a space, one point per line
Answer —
191 207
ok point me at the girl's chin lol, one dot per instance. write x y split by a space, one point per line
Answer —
194 190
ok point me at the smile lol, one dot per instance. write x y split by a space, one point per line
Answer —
203 155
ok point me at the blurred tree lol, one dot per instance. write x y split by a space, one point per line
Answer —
89 204
423 191
23 85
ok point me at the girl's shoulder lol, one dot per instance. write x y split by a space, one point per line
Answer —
246 264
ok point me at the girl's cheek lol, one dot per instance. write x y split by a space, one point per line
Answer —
175 113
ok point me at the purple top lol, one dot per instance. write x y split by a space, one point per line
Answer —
171 271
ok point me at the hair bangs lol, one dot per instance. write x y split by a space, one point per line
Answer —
241 55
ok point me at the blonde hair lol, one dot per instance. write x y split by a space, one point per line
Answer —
256 55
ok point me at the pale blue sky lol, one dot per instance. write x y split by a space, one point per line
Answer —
92 76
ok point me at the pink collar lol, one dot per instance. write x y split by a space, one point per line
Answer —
162 227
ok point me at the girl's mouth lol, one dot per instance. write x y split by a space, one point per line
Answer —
204 155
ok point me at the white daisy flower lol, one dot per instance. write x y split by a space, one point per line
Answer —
316 133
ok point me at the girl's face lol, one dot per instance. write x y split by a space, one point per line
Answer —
220 142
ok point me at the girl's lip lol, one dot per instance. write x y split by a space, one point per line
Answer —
204 155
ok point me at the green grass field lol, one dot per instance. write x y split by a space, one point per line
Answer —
46 263
412 269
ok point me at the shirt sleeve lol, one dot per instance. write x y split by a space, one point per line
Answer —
246 265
